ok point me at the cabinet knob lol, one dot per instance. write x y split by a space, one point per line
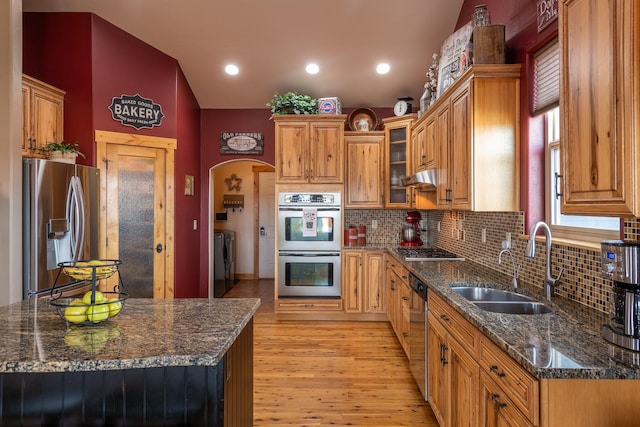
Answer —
494 369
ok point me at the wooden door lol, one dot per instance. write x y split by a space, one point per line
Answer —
292 145
430 144
352 279
373 282
460 161
137 202
364 160
419 138
326 151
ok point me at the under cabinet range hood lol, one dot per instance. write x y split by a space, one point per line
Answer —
425 180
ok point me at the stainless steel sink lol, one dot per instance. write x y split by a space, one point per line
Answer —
514 307
473 293
499 301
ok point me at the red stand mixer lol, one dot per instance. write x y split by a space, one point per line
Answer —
410 234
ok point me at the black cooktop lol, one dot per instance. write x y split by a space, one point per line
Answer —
428 254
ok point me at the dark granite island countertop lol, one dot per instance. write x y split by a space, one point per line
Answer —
158 362
564 344
147 333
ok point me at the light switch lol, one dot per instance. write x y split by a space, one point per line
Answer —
195 224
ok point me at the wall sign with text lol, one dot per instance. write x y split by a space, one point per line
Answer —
547 12
241 143
136 111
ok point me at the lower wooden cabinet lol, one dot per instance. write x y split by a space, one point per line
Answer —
363 281
496 409
453 378
399 302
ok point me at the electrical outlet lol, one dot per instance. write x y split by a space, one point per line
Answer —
438 226
507 237
484 235
374 224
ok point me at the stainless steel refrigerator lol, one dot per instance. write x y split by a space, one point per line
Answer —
61 211
223 262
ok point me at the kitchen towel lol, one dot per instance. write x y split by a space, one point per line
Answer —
309 222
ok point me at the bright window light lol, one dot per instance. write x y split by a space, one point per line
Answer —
232 69
383 68
313 68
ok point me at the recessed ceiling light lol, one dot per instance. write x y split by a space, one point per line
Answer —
313 68
231 69
383 68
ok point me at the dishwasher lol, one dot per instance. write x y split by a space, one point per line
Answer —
418 333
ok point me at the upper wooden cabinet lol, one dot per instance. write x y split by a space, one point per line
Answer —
424 145
42 115
309 149
475 125
364 157
600 106
397 132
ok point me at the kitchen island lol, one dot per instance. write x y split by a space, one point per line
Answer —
159 362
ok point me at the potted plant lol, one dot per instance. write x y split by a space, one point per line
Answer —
62 151
293 103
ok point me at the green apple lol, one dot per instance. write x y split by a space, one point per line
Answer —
98 313
98 297
114 306
76 312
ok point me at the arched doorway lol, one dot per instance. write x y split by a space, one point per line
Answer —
238 211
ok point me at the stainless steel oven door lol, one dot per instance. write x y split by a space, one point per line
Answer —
309 274
327 235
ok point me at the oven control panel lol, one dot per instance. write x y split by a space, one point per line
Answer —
309 199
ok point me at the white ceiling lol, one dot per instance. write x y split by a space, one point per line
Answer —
272 41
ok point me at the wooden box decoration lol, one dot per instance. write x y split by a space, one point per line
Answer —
488 44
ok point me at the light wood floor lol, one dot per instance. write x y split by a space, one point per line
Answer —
321 373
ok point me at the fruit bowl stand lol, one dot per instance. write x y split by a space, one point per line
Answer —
91 307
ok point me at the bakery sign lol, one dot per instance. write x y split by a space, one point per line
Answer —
241 143
136 111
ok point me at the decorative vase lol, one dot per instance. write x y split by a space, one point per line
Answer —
58 156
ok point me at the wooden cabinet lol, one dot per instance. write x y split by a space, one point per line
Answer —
475 125
238 380
397 132
363 275
42 115
399 302
453 373
496 410
364 157
424 145
309 150
600 106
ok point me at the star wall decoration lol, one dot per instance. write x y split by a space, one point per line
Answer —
233 182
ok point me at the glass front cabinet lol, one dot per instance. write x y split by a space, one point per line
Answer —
397 132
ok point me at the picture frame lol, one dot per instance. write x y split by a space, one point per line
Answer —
454 48
189 182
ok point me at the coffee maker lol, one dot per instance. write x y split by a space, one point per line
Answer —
410 234
620 263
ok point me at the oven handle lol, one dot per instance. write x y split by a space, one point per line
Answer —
300 209
315 254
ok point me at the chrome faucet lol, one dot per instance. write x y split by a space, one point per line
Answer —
506 250
530 252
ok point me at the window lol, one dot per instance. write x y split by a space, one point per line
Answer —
584 228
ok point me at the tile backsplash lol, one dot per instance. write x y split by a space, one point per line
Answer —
462 233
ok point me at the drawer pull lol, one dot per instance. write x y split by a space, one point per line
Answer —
444 317
495 398
494 369
443 358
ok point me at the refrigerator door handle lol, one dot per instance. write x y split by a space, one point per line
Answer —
75 214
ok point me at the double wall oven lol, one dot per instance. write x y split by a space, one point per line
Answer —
309 239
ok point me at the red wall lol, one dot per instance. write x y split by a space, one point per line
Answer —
522 40
94 61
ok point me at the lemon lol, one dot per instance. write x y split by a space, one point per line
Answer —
98 297
98 313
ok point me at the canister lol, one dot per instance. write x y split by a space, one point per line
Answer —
362 235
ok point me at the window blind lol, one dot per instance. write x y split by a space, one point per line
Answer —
546 78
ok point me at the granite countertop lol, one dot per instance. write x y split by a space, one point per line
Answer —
565 343
147 333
